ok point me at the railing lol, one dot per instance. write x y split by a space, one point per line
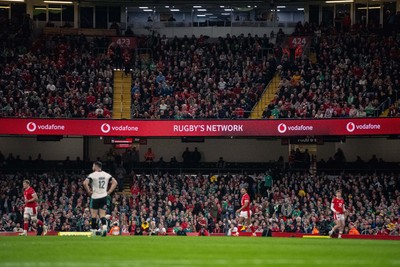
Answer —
262 101
142 167
122 99
382 107
210 23
79 31
202 167
394 100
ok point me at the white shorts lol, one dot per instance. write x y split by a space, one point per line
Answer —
338 217
245 214
31 212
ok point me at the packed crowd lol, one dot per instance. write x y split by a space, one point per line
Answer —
72 76
353 76
58 76
196 77
160 204
201 78
394 110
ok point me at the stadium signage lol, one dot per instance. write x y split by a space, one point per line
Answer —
125 42
182 128
282 128
106 128
32 127
208 128
351 126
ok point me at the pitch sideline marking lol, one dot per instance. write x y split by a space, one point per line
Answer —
139 263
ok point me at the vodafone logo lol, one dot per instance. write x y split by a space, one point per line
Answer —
31 126
350 127
282 128
105 127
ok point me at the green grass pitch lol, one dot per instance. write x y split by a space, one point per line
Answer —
195 251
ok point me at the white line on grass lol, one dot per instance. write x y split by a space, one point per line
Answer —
200 262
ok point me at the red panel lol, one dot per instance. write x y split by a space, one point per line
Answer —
280 234
247 234
125 42
140 128
376 237
274 234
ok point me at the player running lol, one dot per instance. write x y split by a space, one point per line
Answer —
244 212
337 206
96 185
31 208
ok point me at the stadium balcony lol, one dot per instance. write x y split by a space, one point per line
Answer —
329 167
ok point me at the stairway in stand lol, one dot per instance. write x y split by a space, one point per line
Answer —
313 57
122 95
385 113
266 97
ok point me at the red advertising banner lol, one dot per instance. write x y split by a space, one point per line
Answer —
149 128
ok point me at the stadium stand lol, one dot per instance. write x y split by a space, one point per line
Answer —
292 203
71 76
355 76
55 76
202 78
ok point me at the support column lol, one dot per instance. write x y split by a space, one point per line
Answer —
307 13
76 15
320 14
124 17
334 14
29 8
352 14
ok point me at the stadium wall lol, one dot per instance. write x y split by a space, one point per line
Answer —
50 150
185 17
213 32
386 149
232 150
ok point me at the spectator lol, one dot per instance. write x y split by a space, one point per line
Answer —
149 155
114 25
134 157
186 156
120 173
129 31
221 163
353 230
196 156
166 205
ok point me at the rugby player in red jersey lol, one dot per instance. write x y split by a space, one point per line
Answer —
30 208
244 212
337 206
